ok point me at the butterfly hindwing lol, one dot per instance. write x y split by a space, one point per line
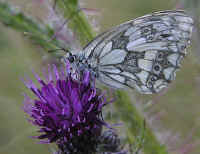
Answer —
143 53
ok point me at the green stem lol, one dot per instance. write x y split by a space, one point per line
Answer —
134 123
76 20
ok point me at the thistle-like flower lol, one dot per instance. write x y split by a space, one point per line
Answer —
68 111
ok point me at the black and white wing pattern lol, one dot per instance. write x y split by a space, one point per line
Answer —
143 53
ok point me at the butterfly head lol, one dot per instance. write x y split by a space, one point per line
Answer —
80 63
70 57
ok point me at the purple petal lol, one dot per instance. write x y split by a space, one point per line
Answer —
56 72
42 83
28 104
86 79
65 107
50 73
76 101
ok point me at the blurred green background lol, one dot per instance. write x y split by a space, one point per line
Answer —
173 115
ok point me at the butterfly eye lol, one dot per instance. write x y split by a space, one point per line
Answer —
71 59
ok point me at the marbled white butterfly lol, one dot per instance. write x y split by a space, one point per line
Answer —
143 53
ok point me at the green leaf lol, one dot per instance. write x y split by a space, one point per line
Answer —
73 2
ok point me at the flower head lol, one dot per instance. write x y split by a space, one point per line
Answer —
66 110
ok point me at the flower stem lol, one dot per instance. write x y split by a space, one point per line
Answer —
77 20
133 122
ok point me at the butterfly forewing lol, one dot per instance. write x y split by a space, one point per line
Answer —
143 53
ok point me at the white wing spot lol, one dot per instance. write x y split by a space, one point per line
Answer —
184 19
106 49
114 57
169 73
147 46
145 64
150 55
179 60
143 89
143 75
173 58
115 70
160 26
130 31
173 47
134 36
130 75
131 45
110 82
159 84
185 27
117 77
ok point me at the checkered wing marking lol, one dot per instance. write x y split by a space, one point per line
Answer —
143 53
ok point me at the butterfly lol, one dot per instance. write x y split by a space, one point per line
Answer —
143 54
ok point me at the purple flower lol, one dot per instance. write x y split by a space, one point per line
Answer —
68 111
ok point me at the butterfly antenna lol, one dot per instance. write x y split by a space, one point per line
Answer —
51 50
57 31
